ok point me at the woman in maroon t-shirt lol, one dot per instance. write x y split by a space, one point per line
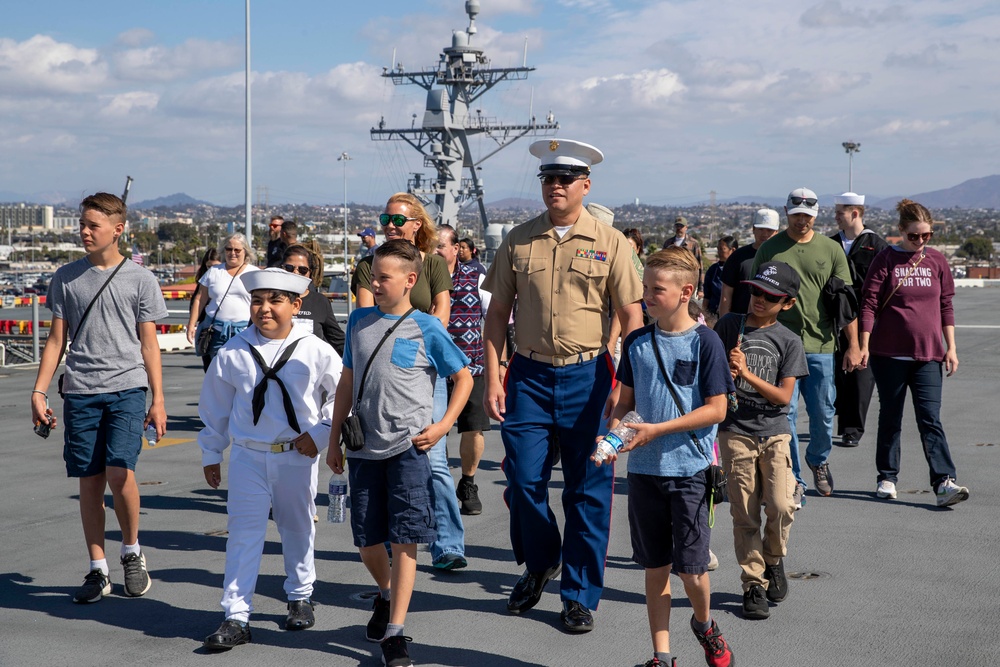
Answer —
908 335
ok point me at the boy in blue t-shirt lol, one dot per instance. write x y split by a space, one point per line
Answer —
667 471
765 359
390 477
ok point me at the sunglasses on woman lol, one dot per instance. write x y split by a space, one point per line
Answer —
397 219
925 237
770 298
291 268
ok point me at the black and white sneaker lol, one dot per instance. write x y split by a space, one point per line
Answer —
375 632
137 580
394 653
95 586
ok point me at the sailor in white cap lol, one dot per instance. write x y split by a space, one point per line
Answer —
735 293
819 261
860 244
277 421
564 267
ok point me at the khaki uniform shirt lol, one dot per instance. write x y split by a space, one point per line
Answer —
563 286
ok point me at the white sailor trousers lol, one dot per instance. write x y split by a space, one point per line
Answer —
284 483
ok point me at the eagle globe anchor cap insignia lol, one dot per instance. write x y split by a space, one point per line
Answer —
553 145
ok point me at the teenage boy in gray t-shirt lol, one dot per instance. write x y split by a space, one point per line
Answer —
390 478
765 360
113 360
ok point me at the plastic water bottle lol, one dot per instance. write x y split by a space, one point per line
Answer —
617 438
151 435
337 511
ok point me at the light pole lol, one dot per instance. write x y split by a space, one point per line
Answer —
850 147
345 158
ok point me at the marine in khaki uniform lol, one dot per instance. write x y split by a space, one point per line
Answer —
565 268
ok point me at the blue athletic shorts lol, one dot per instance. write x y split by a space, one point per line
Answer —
391 500
103 431
668 522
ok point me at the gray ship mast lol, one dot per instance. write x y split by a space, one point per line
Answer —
462 76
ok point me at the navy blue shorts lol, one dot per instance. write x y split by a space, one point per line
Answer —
668 522
103 431
391 500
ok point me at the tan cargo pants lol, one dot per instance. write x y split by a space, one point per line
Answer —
760 472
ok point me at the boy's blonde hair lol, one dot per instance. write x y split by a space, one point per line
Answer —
676 260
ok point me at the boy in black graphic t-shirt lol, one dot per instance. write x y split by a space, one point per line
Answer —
765 359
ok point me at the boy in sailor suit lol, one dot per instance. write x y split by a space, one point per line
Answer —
270 391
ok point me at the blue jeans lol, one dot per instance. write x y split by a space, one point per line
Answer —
450 531
820 394
923 378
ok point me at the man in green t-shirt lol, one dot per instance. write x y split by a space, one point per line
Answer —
816 259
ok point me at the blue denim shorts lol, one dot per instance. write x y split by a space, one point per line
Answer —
391 500
668 521
103 431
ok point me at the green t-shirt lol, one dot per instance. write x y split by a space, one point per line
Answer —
433 279
815 262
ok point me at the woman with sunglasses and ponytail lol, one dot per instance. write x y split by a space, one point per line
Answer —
405 218
908 339
315 307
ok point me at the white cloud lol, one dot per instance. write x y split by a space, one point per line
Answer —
906 127
125 104
645 89
160 63
832 14
929 57
43 65
135 37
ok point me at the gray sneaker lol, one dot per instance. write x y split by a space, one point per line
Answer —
137 580
822 479
799 496
95 586
949 493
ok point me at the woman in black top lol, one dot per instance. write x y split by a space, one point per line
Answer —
315 306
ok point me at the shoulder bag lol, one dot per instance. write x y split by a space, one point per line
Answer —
83 319
204 341
715 475
351 434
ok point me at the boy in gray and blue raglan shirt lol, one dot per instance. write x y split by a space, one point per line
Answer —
390 477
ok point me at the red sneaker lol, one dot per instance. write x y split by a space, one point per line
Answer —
717 653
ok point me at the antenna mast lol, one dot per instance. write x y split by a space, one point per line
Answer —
462 75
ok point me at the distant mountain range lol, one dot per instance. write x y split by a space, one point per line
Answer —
973 193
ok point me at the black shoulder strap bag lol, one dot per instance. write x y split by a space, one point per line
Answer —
351 434
84 319
715 475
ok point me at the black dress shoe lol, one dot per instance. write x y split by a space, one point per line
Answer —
300 615
850 440
528 589
575 617
229 634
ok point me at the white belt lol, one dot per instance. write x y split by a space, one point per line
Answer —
274 447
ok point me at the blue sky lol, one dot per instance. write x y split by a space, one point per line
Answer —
684 97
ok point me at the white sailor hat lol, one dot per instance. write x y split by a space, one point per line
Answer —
601 213
565 156
849 199
275 278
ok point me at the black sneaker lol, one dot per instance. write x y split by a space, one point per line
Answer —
95 586
755 603
137 580
379 621
777 584
394 653
468 496
230 633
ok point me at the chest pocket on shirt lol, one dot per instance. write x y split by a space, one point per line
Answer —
587 280
404 352
684 372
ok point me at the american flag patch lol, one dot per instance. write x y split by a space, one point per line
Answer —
599 255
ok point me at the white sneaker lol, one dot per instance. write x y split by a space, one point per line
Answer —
949 493
713 561
886 489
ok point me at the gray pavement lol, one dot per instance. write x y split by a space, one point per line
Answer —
874 582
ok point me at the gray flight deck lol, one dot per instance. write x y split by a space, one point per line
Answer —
874 582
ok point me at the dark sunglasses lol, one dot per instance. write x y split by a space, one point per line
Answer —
925 237
562 179
291 268
770 298
798 201
235 251
397 219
